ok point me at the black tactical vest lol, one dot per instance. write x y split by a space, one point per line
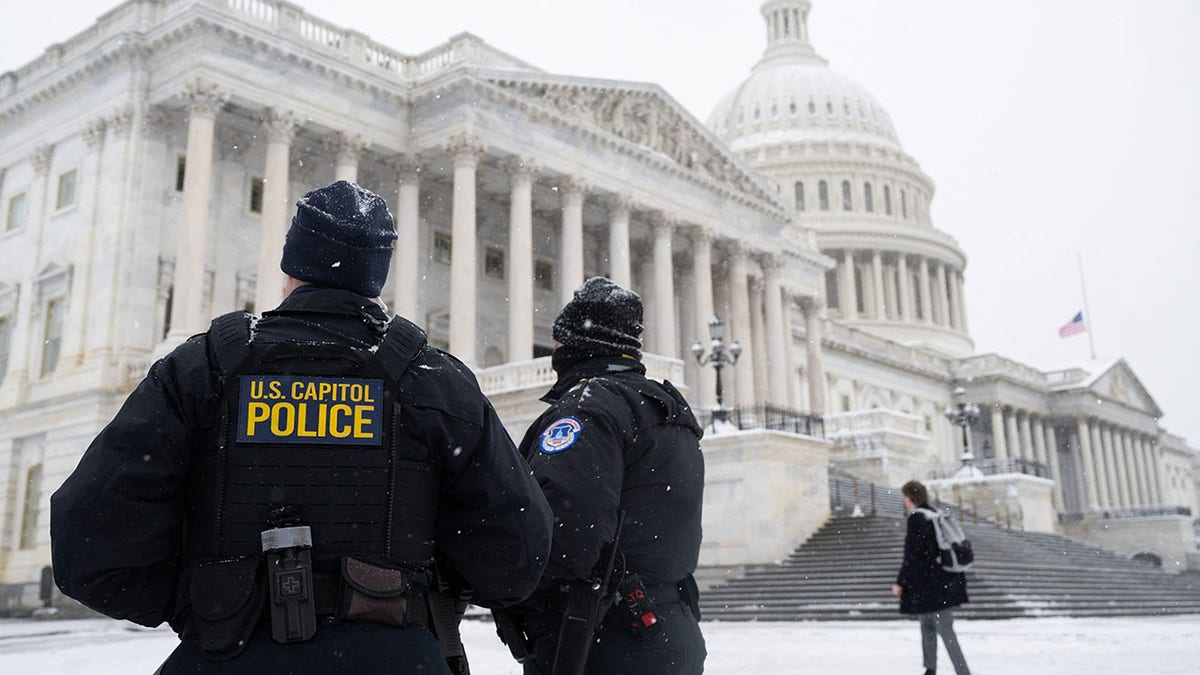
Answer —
312 427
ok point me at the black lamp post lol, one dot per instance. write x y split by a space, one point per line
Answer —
719 356
964 415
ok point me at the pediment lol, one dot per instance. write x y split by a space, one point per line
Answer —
1119 383
645 116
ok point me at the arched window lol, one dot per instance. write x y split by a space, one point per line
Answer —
829 107
847 199
887 200
903 205
774 111
812 107
868 198
799 190
823 195
792 108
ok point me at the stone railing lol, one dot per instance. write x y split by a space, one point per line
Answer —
885 350
538 373
878 419
990 467
1130 512
993 364
1061 378
282 19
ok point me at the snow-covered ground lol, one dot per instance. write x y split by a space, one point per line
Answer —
1155 646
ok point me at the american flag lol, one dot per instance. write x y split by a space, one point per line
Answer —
1073 327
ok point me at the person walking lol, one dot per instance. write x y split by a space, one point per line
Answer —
614 446
924 588
309 491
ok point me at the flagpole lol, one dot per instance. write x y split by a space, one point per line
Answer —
1087 314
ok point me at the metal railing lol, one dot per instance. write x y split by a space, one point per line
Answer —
991 467
764 416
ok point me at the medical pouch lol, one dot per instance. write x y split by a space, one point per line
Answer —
374 593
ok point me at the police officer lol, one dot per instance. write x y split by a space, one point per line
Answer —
278 489
615 441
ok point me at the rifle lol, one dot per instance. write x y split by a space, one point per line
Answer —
587 604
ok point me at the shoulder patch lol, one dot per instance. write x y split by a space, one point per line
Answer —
560 435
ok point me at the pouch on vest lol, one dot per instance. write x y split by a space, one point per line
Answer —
374 593
227 598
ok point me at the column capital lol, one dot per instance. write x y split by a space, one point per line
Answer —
520 168
93 133
663 223
809 304
702 234
121 119
346 148
408 166
205 98
572 185
466 149
41 159
281 125
618 204
770 262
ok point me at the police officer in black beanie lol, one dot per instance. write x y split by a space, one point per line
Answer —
615 441
278 489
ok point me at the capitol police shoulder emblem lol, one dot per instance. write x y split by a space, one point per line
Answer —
560 435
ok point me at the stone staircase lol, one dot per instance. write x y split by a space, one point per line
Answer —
845 572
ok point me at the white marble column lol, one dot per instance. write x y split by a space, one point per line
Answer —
1037 440
955 305
664 286
926 292
571 241
1157 472
1112 452
1090 478
1060 503
1026 436
778 332
1011 437
1107 497
280 129
848 292
998 443
1136 498
406 259
940 297
879 311
89 194
758 338
346 149
814 325
702 287
619 208
467 153
891 291
962 301
1143 452
905 281
191 251
739 302
520 255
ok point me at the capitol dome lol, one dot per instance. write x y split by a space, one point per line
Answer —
832 151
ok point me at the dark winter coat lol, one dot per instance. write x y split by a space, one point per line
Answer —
116 521
927 587
614 439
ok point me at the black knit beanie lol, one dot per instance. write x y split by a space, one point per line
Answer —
342 237
602 319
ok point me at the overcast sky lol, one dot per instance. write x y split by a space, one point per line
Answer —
1050 128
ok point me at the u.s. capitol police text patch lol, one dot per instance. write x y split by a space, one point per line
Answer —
560 435
309 409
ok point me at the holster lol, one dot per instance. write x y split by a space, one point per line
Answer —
227 601
511 629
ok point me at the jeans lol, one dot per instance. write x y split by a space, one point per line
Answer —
941 623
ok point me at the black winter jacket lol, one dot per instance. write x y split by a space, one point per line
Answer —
927 587
115 522
614 439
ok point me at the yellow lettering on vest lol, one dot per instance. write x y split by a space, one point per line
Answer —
323 390
310 392
297 390
367 395
276 391
302 422
255 413
334 429
361 420
356 393
256 389
283 419
321 410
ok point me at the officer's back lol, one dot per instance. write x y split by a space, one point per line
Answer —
277 489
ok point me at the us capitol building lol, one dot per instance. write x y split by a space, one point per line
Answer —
151 163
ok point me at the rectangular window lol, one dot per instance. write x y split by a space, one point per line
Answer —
443 247
16 213
799 188
831 289
868 198
29 512
887 200
543 275
5 340
847 199
52 339
180 172
66 190
493 262
823 195
256 195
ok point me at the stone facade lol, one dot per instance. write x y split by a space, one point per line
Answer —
151 163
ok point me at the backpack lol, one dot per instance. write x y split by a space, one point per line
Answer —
955 552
